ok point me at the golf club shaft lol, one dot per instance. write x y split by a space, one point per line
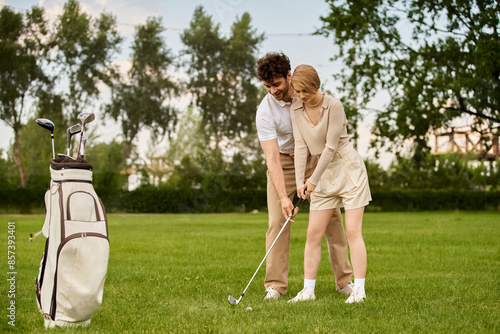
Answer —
53 150
83 146
69 143
271 247
80 144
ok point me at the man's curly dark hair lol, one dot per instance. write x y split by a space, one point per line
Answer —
273 65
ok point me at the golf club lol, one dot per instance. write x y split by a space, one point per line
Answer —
83 146
85 118
234 301
49 125
72 130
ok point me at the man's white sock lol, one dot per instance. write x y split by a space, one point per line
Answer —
360 283
309 285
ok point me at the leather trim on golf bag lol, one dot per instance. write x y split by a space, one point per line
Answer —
70 283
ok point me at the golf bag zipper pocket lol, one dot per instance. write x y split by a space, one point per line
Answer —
80 274
81 205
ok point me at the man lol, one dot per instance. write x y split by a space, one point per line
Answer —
274 128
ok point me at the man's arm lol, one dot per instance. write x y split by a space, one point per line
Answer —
271 151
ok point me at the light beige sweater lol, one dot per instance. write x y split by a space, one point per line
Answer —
325 138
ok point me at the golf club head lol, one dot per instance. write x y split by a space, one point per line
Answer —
46 124
49 125
232 300
86 117
72 130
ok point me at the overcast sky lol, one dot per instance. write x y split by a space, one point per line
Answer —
287 26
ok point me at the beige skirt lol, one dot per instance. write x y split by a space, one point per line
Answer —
344 183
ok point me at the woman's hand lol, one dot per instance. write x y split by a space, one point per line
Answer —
301 193
309 188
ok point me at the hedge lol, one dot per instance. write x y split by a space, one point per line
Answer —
22 200
433 200
154 200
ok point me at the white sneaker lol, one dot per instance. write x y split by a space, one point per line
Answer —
272 294
356 296
346 290
302 295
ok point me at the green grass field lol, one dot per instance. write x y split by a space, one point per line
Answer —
428 272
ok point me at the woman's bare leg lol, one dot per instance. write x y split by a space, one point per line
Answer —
318 221
353 222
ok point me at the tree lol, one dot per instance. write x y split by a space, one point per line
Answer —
221 75
438 60
107 160
144 99
187 139
447 171
21 74
83 50
8 176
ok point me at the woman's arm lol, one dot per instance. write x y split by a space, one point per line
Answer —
301 154
336 119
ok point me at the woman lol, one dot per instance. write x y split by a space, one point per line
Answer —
339 180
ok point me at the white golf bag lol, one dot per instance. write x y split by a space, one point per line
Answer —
70 283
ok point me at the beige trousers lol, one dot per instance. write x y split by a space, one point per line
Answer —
277 260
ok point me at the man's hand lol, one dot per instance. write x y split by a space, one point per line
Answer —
287 208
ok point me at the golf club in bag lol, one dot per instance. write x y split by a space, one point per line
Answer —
84 118
234 301
49 125
72 130
83 147
70 283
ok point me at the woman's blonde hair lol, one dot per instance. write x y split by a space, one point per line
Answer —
306 79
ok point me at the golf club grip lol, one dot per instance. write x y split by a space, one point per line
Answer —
299 201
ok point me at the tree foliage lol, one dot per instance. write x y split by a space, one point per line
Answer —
82 55
52 73
143 99
438 60
9 178
222 75
21 73
107 160
21 52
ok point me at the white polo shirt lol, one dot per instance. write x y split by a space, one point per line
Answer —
273 121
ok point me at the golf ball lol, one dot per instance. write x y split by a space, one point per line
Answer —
248 308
